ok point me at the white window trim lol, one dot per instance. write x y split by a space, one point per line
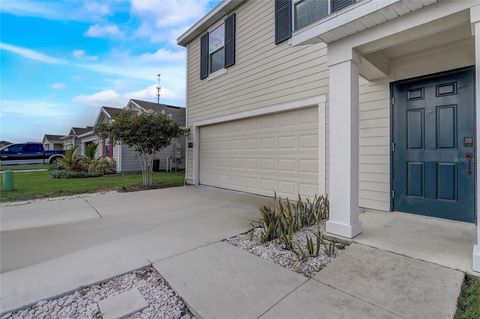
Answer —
223 70
319 101
216 74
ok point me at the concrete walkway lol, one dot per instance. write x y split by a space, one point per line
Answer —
102 236
50 247
440 241
223 281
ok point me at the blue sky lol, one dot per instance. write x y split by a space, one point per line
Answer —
61 60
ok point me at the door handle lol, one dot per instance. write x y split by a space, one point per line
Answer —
468 156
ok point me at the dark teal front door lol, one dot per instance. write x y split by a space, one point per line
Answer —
434 146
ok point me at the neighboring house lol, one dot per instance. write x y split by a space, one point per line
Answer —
372 102
52 142
4 143
72 139
173 156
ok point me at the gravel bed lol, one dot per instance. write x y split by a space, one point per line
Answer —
275 250
162 301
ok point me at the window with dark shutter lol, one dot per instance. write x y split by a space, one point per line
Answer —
283 20
204 56
230 41
338 5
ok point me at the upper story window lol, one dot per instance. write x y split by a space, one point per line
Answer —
216 48
291 15
306 12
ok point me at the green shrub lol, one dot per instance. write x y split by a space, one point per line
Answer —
102 166
58 165
81 164
64 174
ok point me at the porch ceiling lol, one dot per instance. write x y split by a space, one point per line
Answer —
434 38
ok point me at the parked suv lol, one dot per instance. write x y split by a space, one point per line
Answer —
28 153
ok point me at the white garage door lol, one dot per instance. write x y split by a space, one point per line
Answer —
262 154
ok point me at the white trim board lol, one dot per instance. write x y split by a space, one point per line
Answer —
319 101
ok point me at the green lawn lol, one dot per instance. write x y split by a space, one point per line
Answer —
469 301
39 184
22 167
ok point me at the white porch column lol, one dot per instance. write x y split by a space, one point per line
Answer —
475 20
344 163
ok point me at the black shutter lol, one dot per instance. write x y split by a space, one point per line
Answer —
230 41
283 20
204 56
338 5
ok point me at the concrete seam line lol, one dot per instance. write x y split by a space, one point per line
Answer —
93 207
187 251
361 299
279 301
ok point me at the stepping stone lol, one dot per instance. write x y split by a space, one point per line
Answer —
405 286
223 281
122 305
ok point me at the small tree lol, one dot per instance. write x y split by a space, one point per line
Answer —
146 133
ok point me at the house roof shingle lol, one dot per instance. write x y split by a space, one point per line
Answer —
155 107
82 130
112 111
52 137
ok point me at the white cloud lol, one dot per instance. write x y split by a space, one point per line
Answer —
33 108
31 54
112 97
165 20
107 97
100 31
164 55
81 55
86 11
58 86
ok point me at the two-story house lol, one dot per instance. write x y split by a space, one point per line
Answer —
371 102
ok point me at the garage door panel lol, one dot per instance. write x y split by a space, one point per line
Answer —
277 152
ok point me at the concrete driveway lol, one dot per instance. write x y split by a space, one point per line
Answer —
53 246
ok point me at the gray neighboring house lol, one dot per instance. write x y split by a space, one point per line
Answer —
72 138
126 158
52 142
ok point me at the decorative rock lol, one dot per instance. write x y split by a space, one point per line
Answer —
162 301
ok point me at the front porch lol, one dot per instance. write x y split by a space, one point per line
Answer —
383 43
439 241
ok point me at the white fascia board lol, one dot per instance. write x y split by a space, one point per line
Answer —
339 19
210 18
86 134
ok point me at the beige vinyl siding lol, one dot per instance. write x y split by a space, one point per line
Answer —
265 74
374 145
